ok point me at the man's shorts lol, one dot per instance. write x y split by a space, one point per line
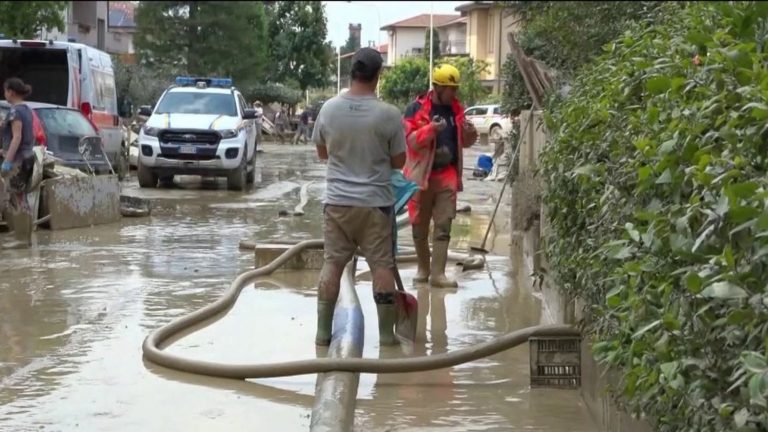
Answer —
369 228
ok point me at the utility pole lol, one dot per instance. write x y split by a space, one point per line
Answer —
431 41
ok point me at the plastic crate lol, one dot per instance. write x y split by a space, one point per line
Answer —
555 362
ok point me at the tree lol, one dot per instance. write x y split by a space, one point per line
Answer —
435 44
188 37
566 35
297 34
408 78
138 84
351 46
25 20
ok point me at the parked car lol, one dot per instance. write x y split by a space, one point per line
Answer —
489 120
64 128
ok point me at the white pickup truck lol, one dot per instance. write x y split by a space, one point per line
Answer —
200 126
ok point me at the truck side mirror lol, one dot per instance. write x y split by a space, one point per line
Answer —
145 110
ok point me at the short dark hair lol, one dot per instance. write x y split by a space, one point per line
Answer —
366 65
17 86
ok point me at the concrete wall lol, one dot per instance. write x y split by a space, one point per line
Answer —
530 228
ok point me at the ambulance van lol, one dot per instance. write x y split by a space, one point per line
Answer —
73 75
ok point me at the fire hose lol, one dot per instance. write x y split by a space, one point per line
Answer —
154 353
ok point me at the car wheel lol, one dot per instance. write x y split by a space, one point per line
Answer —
147 179
236 179
166 180
496 134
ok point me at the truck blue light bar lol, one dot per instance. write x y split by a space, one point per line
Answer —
212 82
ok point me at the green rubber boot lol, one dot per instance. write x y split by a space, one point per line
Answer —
324 322
387 318
439 259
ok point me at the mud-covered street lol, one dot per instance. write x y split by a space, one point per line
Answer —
77 305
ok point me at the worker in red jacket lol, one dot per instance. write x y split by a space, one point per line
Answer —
436 134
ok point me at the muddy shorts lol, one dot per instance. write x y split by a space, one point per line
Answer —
438 201
21 176
369 228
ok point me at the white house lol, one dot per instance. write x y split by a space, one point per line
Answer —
407 37
108 26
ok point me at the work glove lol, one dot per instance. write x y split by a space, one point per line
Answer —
6 167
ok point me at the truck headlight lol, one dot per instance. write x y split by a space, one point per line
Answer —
150 131
229 133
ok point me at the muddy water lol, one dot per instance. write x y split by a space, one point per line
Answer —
75 309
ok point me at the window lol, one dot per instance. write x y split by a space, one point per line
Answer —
104 89
100 34
198 103
59 122
497 110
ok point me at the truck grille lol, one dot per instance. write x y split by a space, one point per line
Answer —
189 137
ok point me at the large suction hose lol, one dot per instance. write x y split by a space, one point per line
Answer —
155 354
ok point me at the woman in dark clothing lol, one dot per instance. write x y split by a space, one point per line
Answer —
18 141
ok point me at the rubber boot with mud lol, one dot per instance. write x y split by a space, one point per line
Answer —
422 253
387 318
439 260
325 310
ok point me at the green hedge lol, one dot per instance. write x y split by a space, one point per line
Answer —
658 203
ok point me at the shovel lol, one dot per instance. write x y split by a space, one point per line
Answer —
406 304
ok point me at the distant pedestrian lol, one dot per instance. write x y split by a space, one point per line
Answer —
280 122
302 132
259 120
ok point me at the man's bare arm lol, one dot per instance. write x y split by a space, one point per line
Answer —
398 161
322 152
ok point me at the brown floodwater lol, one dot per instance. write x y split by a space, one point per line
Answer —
75 308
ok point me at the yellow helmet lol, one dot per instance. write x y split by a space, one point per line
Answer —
446 75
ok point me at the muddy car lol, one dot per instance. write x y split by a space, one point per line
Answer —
64 128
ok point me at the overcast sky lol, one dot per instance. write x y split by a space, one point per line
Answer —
375 14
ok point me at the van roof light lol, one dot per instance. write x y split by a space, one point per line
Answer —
71 39
203 82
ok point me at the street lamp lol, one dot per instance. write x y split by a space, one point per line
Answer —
431 40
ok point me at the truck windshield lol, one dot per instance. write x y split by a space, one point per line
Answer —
197 103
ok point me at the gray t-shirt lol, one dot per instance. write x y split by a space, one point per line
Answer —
22 113
361 134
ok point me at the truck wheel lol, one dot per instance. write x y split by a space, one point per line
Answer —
147 179
236 179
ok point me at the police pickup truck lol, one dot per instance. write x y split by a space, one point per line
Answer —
200 126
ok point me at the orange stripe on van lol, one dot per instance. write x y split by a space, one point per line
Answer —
103 119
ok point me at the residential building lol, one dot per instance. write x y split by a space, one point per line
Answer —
407 37
488 24
106 25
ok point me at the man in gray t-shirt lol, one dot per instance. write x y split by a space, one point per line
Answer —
363 140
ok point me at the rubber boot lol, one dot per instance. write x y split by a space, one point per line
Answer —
439 259
421 244
324 322
387 318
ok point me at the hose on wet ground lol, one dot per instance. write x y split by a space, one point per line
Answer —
154 353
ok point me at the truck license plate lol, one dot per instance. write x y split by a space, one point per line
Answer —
188 149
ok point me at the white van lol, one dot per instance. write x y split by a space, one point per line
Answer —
74 75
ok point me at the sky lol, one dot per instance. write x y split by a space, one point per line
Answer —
376 14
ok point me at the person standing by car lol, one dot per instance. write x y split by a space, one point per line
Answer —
437 132
18 142
259 119
362 140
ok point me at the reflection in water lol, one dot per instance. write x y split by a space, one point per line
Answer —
75 310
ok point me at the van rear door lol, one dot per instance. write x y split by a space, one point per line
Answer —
43 65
